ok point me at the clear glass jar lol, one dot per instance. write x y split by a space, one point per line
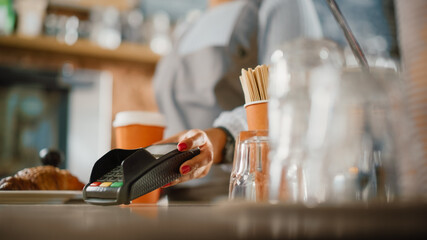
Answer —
303 85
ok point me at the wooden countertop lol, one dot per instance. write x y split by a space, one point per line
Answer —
83 47
212 221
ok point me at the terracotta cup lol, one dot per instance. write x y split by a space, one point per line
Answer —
138 129
257 115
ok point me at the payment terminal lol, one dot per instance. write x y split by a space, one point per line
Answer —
122 175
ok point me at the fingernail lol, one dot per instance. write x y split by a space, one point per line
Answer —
185 169
182 146
166 185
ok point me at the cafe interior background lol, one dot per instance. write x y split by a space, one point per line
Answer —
68 66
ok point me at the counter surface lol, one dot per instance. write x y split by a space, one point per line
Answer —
211 221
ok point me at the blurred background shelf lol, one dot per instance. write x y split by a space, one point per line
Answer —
82 48
87 4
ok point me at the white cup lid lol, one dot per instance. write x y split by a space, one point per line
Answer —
139 117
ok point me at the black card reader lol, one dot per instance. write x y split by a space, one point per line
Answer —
122 175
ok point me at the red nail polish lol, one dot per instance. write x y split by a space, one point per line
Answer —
182 146
166 185
185 169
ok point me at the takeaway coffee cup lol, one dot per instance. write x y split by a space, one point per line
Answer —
138 129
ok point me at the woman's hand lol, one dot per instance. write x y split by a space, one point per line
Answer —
210 142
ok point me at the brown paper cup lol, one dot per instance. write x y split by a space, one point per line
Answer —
137 129
257 115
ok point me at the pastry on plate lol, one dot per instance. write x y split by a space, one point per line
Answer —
41 178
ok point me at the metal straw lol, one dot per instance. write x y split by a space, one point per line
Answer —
354 45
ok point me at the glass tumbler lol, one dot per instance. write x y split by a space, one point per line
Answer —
249 176
362 150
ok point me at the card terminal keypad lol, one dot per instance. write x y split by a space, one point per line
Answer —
108 184
115 175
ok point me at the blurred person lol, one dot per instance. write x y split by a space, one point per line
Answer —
197 85
199 79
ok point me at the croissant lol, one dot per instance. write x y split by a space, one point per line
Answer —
41 178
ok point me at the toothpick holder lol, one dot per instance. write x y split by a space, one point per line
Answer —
257 115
